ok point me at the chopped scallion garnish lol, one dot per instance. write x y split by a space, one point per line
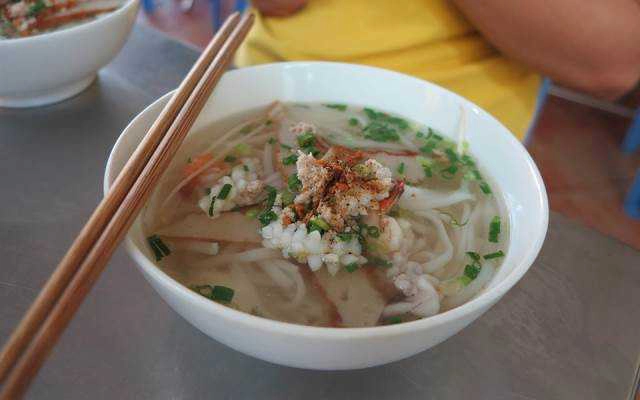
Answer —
285 146
159 248
484 186
401 168
474 256
306 139
318 224
271 197
290 160
449 172
339 107
494 229
294 183
230 158
267 217
222 294
353 121
392 320
345 236
491 256
224 192
352 267
471 271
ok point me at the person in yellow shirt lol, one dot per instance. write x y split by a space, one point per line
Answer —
491 52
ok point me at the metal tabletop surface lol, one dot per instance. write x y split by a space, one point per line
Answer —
568 330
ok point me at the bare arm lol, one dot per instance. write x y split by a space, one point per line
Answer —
589 45
278 8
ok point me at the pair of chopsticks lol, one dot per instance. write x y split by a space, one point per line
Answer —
53 309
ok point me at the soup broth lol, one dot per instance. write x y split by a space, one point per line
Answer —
327 215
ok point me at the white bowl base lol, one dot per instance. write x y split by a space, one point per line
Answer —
45 97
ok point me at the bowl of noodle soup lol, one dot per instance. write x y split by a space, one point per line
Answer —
333 216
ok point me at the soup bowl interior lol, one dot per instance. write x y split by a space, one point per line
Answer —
497 151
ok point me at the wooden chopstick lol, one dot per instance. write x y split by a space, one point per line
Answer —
61 276
120 221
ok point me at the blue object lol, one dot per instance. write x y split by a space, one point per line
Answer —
632 202
632 139
216 11
543 93
148 6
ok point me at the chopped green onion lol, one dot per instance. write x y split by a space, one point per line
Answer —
491 256
306 139
222 294
267 217
352 267
401 168
472 175
271 196
36 8
425 163
472 271
339 107
451 155
290 160
213 200
494 229
158 247
242 149
294 183
353 121
251 214
449 173
285 146
271 141
467 160
484 186
287 197
373 231
428 147
419 134
380 133
437 137
224 192
230 158
464 280
345 236
318 224
474 256
371 114
392 320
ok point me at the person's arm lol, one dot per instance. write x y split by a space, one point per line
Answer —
278 8
592 46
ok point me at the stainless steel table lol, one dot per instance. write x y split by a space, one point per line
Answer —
568 330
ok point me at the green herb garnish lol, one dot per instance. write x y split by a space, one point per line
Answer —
272 193
484 186
339 107
474 256
471 271
494 229
245 168
285 146
306 139
213 200
230 158
36 8
353 121
381 133
222 294
287 197
158 247
318 224
401 168
352 267
392 320
449 172
491 256
345 236
224 192
290 160
294 183
267 217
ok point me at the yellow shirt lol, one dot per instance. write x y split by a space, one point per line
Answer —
429 39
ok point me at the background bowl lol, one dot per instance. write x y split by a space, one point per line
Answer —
54 66
497 151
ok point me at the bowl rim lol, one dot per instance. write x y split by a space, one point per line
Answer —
484 299
60 33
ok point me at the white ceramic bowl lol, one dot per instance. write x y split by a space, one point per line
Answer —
54 66
336 348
